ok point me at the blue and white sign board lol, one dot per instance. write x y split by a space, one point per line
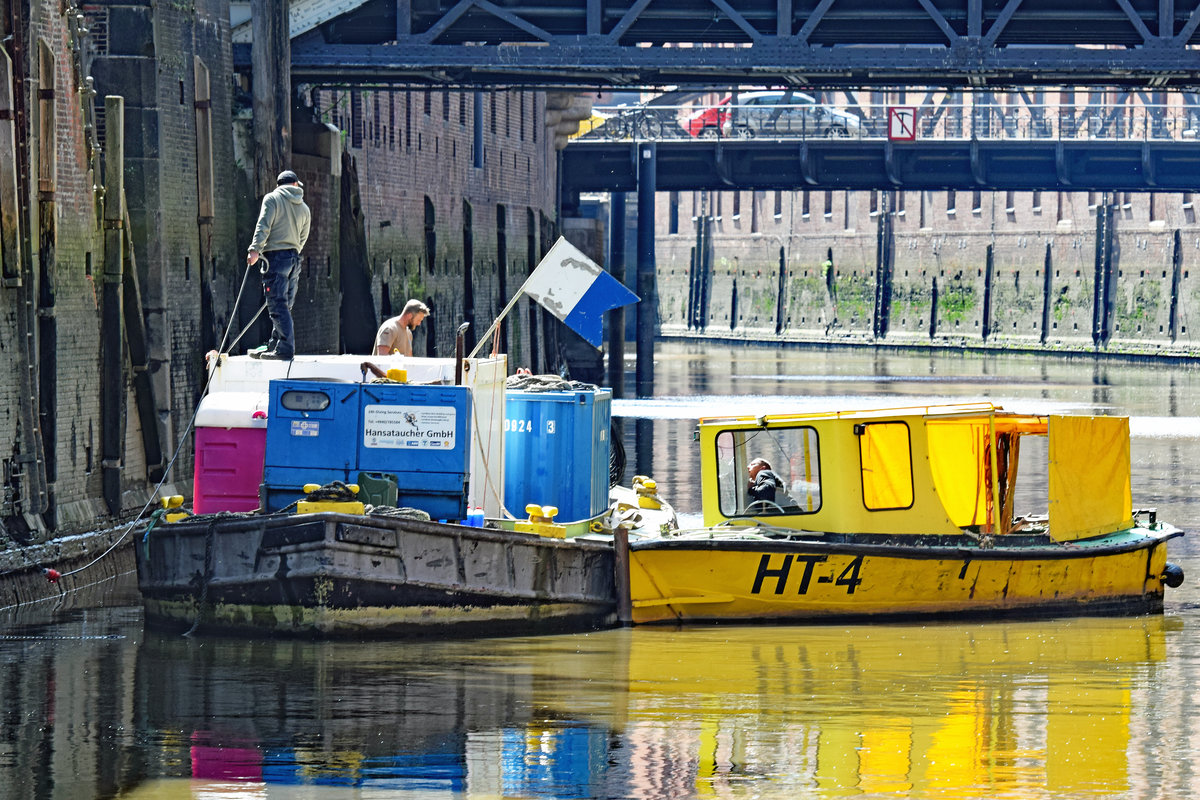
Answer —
409 427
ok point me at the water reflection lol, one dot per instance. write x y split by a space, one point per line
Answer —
1068 708
95 707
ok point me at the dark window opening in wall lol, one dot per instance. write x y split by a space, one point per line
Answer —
356 119
477 130
377 108
187 268
521 115
1189 211
502 269
874 203
87 263
737 206
1091 201
778 205
468 285
1154 210
181 95
921 214
1037 202
829 204
805 206
755 202
951 203
508 114
445 106
976 202
492 95
847 216
428 103
1061 208
430 236
531 260
673 213
392 120
462 109
536 120
408 120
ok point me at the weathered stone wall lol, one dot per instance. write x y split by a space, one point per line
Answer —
941 293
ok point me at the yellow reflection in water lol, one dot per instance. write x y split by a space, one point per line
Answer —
1017 709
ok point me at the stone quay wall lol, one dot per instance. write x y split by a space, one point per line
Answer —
67 58
805 266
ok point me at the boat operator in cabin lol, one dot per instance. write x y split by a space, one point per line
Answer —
763 480
396 334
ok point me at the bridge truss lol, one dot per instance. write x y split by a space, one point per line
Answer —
815 43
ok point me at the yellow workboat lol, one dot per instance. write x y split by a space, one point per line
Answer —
910 511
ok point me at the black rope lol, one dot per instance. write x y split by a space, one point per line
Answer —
616 457
332 491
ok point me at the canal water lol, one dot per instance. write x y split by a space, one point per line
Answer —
95 706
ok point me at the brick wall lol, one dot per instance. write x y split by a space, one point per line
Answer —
428 198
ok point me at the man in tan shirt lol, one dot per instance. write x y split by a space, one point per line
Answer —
395 334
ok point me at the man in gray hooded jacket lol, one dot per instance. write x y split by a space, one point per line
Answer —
279 236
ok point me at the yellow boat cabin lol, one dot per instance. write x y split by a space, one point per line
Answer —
921 471
952 509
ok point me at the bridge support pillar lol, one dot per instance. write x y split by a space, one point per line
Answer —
616 317
647 283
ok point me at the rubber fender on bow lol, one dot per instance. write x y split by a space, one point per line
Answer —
1173 575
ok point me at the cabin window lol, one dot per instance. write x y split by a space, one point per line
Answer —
885 453
792 455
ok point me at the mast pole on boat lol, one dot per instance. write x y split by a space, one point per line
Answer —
504 313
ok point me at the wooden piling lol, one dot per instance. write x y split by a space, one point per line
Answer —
621 576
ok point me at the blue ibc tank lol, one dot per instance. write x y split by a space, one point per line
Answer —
556 448
421 437
312 431
417 436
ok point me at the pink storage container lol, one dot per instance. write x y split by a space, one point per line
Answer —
231 445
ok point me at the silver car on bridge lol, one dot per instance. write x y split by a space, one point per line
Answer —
786 114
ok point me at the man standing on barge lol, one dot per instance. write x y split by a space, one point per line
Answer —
279 236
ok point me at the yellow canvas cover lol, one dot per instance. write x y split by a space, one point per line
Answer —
1090 492
956 450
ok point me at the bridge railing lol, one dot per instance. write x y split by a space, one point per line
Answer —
943 121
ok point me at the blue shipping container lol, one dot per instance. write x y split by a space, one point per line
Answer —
556 450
